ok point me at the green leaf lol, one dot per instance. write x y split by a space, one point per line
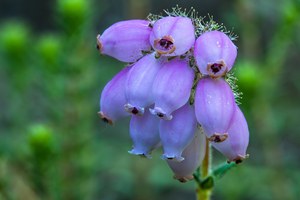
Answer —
220 171
207 183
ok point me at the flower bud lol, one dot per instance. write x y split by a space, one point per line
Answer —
125 40
214 53
235 146
113 98
193 156
214 106
176 134
172 36
139 84
172 87
144 134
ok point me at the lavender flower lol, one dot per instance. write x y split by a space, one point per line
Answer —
234 148
214 53
113 98
214 106
125 40
172 87
176 134
139 84
144 134
193 156
172 36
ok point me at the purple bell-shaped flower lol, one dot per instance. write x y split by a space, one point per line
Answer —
214 53
172 87
139 84
193 156
113 98
172 36
176 134
125 40
235 146
214 106
144 133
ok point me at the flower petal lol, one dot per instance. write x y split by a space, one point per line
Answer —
139 84
193 156
235 146
214 106
113 98
144 134
176 134
214 53
125 40
168 37
172 87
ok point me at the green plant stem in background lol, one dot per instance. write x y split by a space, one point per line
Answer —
204 192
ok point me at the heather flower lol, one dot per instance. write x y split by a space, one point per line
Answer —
139 83
176 134
214 53
113 98
193 156
214 106
235 146
144 133
172 87
125 40
172 36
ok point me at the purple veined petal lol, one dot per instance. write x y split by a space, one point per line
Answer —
125 40
176 134
214 106
172 87
214 53
172 36
144 133
235 146
193 156
113 98
139 84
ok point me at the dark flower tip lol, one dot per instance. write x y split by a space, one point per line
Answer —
99 45
183 179
133 110
239 159
217 69
105 118
164 45
217 137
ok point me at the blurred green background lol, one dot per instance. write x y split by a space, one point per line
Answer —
53 145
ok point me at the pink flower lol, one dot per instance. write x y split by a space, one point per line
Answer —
214 107
125 40
172 36
113 98
214 53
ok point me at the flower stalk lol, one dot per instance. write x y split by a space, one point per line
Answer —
204 192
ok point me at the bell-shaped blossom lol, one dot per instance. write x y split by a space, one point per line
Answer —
144 132
176 134
235 146
113 98
214 53
125 40
193 156
172 36
139 84
172 87
214 106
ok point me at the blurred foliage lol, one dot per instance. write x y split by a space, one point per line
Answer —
53 146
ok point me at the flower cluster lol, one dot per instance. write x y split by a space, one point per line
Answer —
173 84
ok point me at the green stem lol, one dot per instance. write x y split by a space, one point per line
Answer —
205 193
